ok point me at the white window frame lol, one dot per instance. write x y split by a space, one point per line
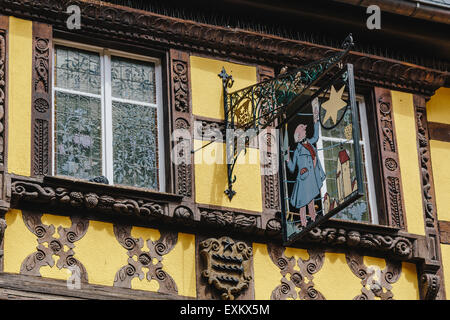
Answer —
365 142
106 105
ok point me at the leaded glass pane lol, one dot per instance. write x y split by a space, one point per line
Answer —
135 143
78 70
133 80
78 145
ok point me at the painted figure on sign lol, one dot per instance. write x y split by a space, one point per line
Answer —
310 174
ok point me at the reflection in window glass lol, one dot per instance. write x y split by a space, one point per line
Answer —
135 139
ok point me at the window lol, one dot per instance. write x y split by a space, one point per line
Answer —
107 116
365 208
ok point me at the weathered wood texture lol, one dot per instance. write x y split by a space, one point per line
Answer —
389 159
444 231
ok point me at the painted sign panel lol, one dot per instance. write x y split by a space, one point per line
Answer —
321 165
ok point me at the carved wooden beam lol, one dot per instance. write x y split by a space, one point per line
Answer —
41 109
431 274
129 25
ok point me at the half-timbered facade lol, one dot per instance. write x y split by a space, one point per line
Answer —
113 153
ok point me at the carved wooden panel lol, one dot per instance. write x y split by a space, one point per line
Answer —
41 100
432 286
54 246
4 201
389 159
182 128
224 269
296 284
139 259
268 145
376 283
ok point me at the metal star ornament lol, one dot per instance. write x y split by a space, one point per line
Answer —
334 104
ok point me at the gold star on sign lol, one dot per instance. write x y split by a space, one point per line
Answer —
334 104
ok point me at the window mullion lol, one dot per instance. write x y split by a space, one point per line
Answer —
107 130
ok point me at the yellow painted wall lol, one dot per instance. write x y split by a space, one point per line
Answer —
19 96
207 93
334 280
211 178
439 105
405 126
440 155
445 252
100 253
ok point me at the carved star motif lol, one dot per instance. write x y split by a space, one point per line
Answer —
334 104
227 245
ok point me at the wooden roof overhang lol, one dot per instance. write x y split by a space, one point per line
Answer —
138 27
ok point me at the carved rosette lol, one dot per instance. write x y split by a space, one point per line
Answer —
41 95
389 159
150 260
227 265
376 283
294 283
54 246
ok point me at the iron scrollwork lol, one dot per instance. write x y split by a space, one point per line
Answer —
250 110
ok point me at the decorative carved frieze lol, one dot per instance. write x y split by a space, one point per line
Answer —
299 283
375 282
181 123
226 266
429 285
395 246
389 159
142 27
41 100
87 200
150 260
103 201
54 246
228 219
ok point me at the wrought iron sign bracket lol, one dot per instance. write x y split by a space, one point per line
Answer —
250 110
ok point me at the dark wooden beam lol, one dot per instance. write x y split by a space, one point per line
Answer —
16 286
439 131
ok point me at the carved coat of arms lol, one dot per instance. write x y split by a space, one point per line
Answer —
227 265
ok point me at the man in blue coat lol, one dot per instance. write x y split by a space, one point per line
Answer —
310 174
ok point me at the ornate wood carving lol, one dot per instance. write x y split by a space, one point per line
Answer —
55 246
3 87
444 232
115 203
59 197
299 283
432 286
41 99
389 160
375 282
226 265
142 27
139 259
181 121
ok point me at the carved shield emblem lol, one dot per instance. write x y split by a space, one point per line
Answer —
227 265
